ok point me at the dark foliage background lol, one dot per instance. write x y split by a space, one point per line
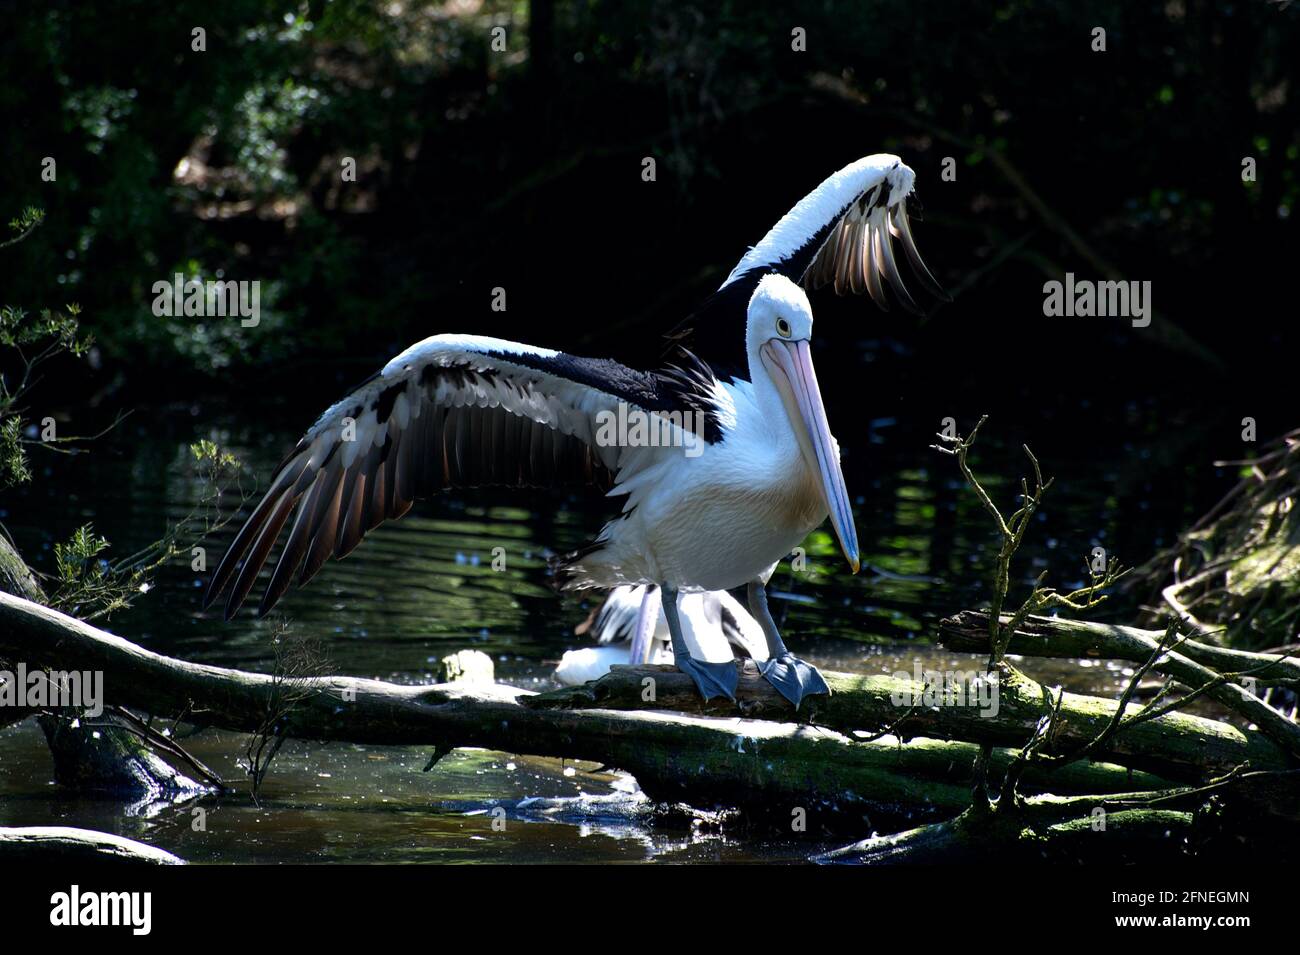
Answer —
521 169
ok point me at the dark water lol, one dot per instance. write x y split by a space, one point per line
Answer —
424 587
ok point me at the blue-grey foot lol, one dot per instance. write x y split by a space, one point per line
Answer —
793 678
711 679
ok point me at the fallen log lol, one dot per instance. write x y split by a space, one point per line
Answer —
1063 638
1176 746
764 766
1128 836
1048 634
1109 829
63 844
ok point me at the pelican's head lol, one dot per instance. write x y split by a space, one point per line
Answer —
778 332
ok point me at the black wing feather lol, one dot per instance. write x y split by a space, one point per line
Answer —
445 446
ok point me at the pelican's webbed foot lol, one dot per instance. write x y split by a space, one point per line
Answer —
711 679
793 678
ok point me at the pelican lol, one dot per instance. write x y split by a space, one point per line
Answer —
720 457
630 628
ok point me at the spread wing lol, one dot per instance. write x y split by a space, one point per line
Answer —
453 411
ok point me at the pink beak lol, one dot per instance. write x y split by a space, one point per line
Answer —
791 367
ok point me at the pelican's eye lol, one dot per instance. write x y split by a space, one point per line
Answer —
783 328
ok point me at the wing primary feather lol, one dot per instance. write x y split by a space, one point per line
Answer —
450 431
350 519
354 474
464 430
843 253
433 478
422 451
472 461
405 467
858 239
511 438
377 499
446 443
295 548
325 522
252 565
549 457
535 451
842 256
390 474
376 509
874 288
561 463
914 257
896 282
247 534
502 428
488 447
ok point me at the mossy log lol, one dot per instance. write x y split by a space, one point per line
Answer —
1052 636
65 845
1176 746
15 576
761 765
1063 638
1127 836
1113 829
103 755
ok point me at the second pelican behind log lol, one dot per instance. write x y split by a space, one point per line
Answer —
630 628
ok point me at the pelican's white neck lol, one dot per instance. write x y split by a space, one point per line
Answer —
778 309
766 395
